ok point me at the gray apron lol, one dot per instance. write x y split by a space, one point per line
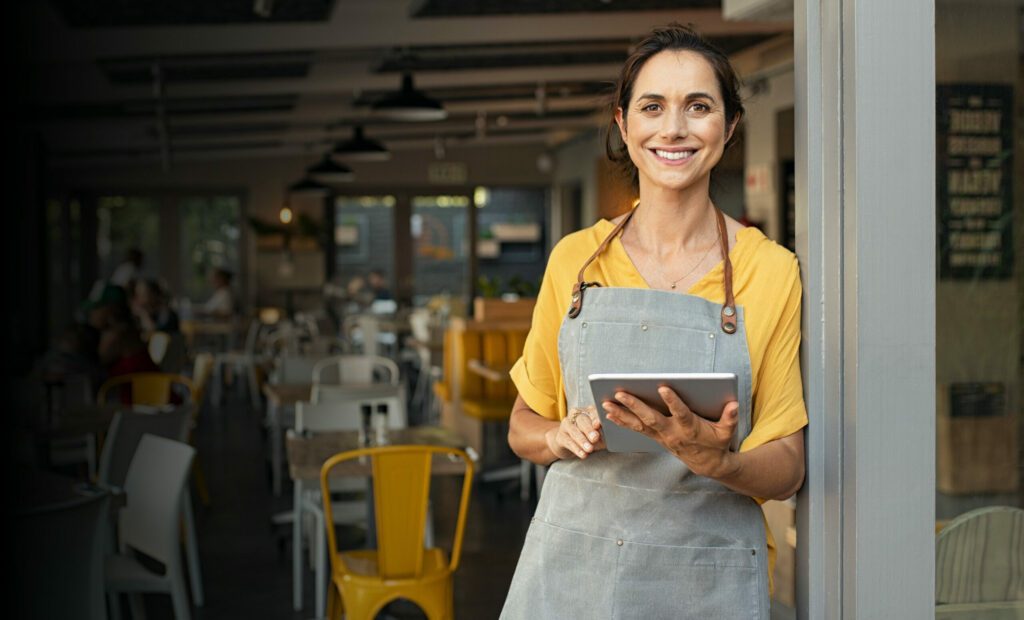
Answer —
638 535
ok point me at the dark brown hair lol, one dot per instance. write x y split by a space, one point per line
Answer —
678 38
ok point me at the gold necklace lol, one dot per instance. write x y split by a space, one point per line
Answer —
673 283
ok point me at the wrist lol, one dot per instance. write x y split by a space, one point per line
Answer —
728 468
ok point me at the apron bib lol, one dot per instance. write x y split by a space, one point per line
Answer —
637 535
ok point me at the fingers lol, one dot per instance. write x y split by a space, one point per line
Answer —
677 407
648 415
625 418
589 426
572 438
727 423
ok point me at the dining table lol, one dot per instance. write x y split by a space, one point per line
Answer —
282 397
307 452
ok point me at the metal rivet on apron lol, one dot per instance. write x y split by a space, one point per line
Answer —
711 336
619 542
575 298
643 326
584 323
728 311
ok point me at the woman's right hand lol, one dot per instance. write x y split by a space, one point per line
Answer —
578 435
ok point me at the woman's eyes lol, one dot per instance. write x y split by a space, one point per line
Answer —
696 107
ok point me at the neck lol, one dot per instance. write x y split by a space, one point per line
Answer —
666 222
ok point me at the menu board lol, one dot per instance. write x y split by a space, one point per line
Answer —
974 155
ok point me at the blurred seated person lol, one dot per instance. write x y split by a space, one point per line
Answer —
122 351
129 270
378 285
150 306
358 294
221 303
107 305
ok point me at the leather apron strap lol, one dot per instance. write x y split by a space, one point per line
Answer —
728 309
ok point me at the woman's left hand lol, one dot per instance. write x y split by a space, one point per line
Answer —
701 444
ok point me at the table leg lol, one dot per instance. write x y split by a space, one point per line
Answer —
275 447
297 545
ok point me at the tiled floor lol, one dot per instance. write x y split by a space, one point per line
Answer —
247 563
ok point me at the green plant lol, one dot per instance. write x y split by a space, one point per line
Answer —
488 287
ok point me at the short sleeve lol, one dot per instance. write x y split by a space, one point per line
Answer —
779 409
538 373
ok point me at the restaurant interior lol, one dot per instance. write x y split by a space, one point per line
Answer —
252 235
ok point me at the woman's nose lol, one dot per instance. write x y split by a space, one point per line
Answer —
673 125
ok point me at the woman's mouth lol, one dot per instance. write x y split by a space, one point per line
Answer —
674 156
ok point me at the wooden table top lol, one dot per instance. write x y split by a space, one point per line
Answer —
306 455
208 326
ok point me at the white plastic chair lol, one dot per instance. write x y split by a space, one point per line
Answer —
149 524
123 437
349 369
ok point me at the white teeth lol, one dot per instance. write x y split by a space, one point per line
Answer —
673 154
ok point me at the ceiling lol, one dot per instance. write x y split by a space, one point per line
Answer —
134 80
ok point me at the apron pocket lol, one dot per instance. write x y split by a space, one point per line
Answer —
659 581
561 574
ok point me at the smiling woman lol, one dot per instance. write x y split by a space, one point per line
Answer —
671 286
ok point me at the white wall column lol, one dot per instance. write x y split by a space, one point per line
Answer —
866 237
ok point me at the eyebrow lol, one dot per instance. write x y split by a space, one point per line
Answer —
690 97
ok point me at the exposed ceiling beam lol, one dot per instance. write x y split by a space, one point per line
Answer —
364 23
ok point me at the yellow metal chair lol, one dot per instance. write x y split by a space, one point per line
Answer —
202 369
366 580
147 388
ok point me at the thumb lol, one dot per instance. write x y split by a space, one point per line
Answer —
730 415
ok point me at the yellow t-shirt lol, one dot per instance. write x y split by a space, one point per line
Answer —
766 283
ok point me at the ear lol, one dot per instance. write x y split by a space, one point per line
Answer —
732 128
620 120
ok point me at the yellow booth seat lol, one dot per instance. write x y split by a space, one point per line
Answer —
475 388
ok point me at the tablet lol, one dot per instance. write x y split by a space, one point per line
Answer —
705 393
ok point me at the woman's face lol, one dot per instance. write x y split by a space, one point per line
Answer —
675 127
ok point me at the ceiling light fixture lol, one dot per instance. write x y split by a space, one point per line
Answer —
308 186
330 171
361 148
409 104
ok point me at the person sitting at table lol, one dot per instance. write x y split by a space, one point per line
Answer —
378 285
106 306
122 351
221 303
150 306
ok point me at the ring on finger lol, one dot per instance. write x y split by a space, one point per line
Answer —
575 413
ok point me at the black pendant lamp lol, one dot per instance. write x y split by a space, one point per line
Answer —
409 104
308 186
360 148
330 171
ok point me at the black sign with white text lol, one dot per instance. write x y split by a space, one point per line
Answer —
974 155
